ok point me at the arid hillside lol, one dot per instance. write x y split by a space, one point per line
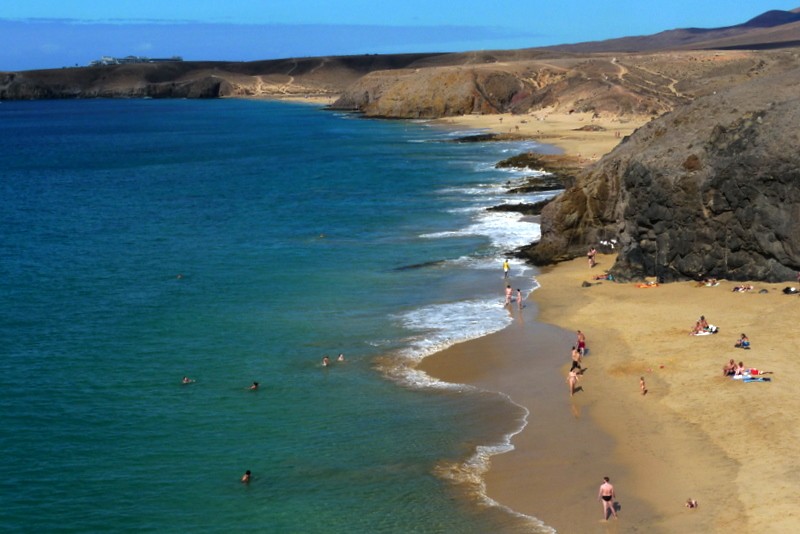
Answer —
640 75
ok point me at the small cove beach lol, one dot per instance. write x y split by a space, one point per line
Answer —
731 446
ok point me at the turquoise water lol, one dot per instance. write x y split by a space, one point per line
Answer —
236 241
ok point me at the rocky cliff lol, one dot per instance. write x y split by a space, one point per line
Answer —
711 189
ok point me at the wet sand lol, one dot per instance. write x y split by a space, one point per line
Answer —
732 446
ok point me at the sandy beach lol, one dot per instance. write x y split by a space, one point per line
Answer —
582 135
696 434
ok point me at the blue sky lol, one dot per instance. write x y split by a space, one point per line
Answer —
55 33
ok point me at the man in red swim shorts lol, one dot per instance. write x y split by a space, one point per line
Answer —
581 343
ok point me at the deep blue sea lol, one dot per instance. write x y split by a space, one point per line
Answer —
235 241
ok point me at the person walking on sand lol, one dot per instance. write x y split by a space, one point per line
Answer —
572 381
607 495
642 385
508 295
576 359
505 268
581 343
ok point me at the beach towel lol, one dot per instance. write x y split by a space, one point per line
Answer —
751 378
708 331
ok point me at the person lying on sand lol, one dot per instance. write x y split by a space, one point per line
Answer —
739 289
691 503
741 370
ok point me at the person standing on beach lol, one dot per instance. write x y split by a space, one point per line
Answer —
519 298
508 295
572 381
642 385
591 254
607 495
576 359
505 268
581 343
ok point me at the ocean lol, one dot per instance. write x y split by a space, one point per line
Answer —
240 241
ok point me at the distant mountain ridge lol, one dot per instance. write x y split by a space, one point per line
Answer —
333 75
772 18
773 28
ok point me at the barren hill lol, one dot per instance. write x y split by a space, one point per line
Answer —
629 75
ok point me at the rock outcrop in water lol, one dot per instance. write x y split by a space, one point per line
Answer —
709 190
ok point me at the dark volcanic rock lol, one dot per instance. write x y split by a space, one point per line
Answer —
561 171
709 190
525 209
539 184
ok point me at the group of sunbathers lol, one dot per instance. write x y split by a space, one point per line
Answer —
739 370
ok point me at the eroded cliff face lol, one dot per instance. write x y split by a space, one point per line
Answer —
709 190
425 93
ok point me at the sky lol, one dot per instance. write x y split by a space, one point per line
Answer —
39 34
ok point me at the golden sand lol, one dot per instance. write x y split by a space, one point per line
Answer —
567 131
730 445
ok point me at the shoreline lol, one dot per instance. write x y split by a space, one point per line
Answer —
688 437
544 445
695 434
